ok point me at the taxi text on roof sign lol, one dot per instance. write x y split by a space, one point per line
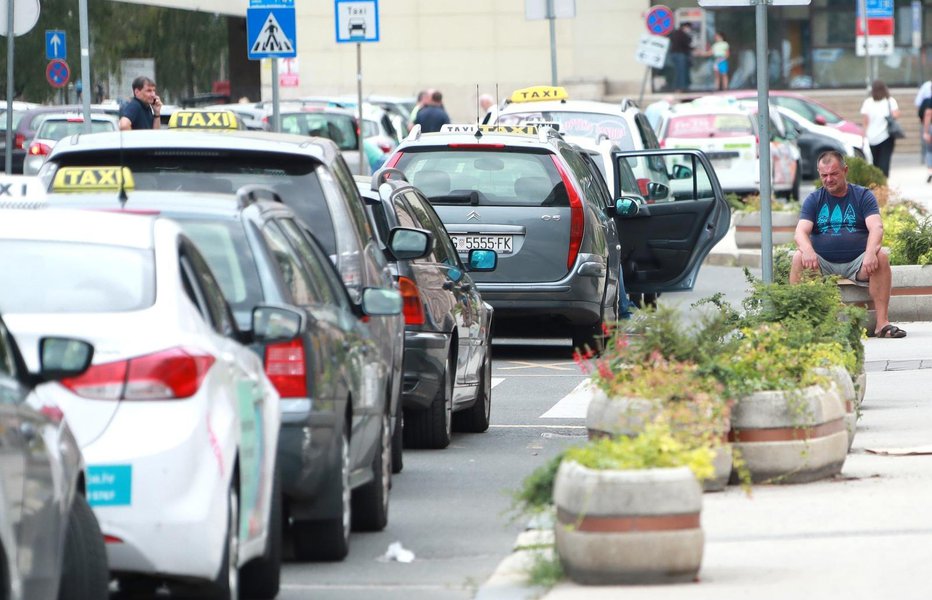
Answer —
202 119
539 93
92 179
472 129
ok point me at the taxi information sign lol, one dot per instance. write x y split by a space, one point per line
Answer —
539 93
92 179
202 119
20 191
473 129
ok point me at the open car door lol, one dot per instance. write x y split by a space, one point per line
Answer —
668 230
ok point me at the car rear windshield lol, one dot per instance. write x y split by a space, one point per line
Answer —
68 277
583 124
296 180
706 126
56 130
227 252
339 128
485 177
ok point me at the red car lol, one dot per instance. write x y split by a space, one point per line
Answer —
808 108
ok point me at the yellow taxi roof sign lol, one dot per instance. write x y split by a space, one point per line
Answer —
472 129
540 93
92 179
203 119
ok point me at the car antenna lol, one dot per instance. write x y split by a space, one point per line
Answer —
477 104
122 194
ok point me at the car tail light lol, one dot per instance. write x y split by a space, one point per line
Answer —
393 160
642 186
167 375
412 308
285 366
112 539
663 143
75 119
19 142
385 147
577 225
39 149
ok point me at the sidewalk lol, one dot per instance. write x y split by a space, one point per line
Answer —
907 180
866 534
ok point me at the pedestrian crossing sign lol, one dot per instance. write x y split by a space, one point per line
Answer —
270 29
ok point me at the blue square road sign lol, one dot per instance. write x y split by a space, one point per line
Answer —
271 31
56 44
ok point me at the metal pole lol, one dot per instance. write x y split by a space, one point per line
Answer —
647 71
85 66
763 119
362 149
867 54
553 42
9 87
276 113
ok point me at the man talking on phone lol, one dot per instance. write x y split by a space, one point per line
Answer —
142 112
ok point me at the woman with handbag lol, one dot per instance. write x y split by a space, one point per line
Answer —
880 125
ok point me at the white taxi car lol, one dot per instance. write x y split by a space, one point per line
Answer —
176 419
727 132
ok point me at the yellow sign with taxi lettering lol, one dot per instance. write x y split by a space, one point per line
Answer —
539 93
472 129
202 119
92 179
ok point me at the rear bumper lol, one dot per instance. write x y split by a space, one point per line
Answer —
424 365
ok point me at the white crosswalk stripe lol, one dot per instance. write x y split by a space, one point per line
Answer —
572 405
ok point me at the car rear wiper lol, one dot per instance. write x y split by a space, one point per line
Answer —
457 197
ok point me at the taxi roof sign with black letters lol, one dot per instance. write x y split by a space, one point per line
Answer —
203 119
540 93
472 129
92 179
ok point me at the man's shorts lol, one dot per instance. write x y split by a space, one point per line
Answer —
848 270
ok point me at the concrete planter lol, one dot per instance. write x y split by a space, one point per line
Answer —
860 386
846 391
910 298
747 228
624 415
628 527
791 437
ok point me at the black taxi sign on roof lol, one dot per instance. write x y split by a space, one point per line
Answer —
92 179
202 119
472 129
539 93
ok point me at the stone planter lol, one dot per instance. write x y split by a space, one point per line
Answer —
910 296
846 391
623 415
791 437
747 228
860 387
628 527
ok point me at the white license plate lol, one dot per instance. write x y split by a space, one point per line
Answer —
721 163
503 244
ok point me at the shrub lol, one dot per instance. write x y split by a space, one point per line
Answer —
907 233
751 203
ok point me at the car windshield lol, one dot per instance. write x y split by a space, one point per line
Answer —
808 110
706 126
295 179
68 277
485 177
224 246
582 124
337 127
58 129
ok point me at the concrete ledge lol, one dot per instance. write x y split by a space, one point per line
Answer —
910 298
510 579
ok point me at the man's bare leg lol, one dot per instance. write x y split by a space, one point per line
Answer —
879 289
797 268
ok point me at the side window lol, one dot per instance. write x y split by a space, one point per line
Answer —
293 273
212 294
312 260
348 186
191 287
444 251
647 132
598 187
7 364
585 176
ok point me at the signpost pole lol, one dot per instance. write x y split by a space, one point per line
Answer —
276 112
552 17
9 87
647 71
362 149
86 89
763 118
867 53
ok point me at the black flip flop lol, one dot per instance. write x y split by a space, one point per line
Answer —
891 331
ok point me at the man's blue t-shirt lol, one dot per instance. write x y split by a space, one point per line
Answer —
839 234
139 114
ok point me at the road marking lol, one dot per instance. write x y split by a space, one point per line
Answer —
572 405
520 364
537 426
497 380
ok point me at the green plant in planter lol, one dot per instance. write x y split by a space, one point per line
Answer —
752 203
907 233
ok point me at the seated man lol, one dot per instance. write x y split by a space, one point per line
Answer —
840 233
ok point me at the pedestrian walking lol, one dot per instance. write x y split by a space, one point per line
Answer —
423 97
143 109
923 100
840 233
925 115
876 110
720 53
681 49
432 116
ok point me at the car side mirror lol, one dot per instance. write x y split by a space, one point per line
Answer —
276 324
681 172
626 206
482 261
659 191
820 120
60 358
380 302
408 244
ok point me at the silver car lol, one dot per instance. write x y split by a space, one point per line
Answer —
57 126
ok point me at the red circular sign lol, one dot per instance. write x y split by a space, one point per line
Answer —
659 20
57 73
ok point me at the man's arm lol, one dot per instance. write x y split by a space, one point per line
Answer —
874 242
125 124
804 243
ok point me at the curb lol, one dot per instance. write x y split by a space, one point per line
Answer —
736 258
510 579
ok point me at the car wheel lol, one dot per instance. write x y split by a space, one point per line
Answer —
226 585
398 442
370 502
433 427
475 419
588 337
85 572
260 578
328 539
